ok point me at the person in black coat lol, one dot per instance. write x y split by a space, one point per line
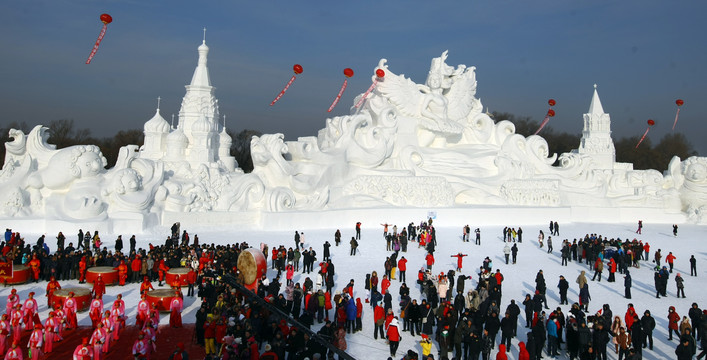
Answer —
493 325
563 285
684 350
514 311
528 306
637 336
413 316
600 338
647 325
627 284
539 335
507 330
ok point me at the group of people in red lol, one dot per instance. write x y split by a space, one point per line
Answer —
107 325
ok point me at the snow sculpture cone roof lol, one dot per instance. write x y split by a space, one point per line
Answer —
201 126
177 138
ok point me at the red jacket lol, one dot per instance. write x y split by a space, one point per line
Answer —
670 258
402 264
136 265
378 313
673 319
430 259
393 334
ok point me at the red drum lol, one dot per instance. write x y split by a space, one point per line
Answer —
81 295
160 299
20 275
252 265
109 274
172 276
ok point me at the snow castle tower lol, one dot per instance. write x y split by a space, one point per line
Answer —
596 139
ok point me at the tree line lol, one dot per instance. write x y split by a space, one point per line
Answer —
63 133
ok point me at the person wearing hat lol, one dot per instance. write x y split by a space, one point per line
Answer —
52 286
99 341
12 300
4 332
180 354
83 351
140 347
99 287
50 326
36 339
29 309
175 310
70 308
15 353
163 268
268 354
60 317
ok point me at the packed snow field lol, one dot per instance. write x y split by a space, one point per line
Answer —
519 277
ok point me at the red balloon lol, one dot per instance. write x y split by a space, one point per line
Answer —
551 102
348 72
380 73
679 102
106 19
551 113
297 69
650 122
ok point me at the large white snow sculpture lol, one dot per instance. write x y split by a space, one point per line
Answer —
410 145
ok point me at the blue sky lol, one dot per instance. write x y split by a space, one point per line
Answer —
642 54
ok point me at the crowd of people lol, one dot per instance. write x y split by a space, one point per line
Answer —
458 318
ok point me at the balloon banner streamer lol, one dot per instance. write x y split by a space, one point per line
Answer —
298 70
348 72
679 103
379 75
550 113
650 123
106 19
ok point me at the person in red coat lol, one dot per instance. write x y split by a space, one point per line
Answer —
99 287
673 323
146 285
82 270
135 266
191 279
523 352
402 266
430 259
122 273
163 268
34 265
378 320
393 336
175 311
52 286
359 315
460 258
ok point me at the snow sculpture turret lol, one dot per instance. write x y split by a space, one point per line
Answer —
224 148
155 130
177 143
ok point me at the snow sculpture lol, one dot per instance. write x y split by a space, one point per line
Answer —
408 145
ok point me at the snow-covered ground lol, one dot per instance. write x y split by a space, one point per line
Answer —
519 278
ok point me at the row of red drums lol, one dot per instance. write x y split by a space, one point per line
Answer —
22 274
159 299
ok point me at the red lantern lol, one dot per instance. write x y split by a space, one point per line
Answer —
551 113
298 70
679 102
380 73
106 19
650 122
551 102
348 72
